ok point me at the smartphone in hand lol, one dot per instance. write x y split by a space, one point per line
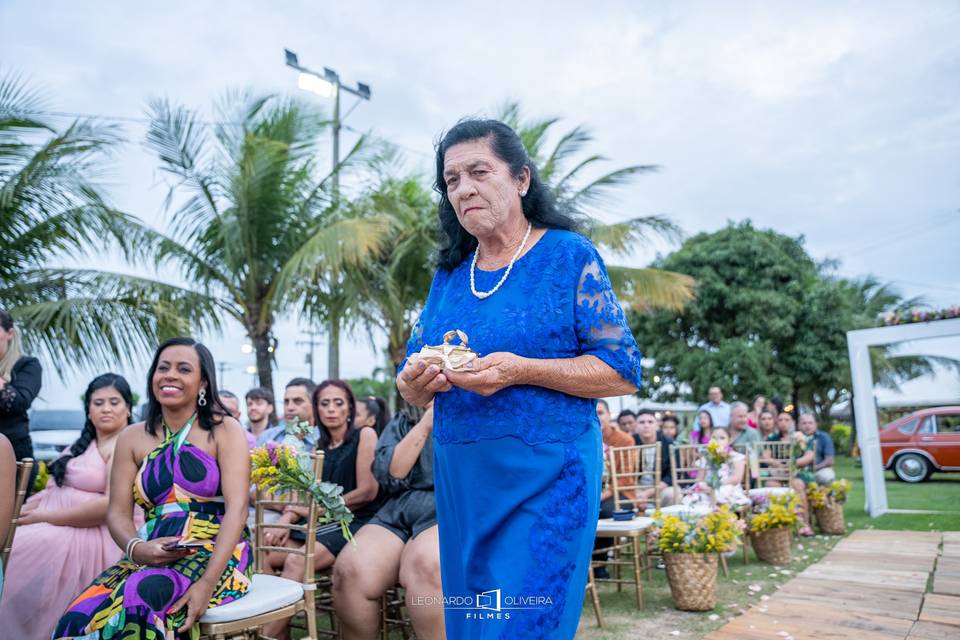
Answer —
185 544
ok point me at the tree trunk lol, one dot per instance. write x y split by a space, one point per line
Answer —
333 349
796 401
261 346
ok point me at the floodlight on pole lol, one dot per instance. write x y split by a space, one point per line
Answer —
327 84
315 84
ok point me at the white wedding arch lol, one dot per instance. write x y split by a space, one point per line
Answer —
868 430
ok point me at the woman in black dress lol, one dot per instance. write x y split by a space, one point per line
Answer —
20 379
348 460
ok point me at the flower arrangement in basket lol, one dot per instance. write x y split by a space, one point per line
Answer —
281 469
772 520
690 547
827 504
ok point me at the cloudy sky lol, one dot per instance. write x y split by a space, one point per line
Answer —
838 121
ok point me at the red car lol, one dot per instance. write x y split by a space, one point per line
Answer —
922 442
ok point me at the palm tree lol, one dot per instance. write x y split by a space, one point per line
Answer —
258 228
393 283
641 288
52 210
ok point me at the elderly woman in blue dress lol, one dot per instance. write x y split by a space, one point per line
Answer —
516 440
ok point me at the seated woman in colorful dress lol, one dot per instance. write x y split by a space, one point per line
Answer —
193 551
719 483
348 461
62 541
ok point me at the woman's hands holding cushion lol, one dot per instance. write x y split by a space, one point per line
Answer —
490 374
419 382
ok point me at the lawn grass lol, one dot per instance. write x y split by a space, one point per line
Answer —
940 493
750 584
659 619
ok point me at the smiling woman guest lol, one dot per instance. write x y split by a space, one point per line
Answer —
171 465
517 499
348 460
62 540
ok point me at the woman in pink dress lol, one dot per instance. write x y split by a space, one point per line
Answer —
62 542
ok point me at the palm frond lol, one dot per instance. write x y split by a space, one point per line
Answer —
91 319
570 144
623 237
597 192
328 250
645 289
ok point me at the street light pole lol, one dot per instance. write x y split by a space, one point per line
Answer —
328 85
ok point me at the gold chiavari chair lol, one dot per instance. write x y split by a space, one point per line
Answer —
271 597
24 467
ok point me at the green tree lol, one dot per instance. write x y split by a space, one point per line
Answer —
750 290
563 167
53 211
257 230
767 319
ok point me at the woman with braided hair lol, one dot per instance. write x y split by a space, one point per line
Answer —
62 541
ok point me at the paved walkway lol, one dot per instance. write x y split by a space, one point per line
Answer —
871 586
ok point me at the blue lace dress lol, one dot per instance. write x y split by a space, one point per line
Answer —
517 474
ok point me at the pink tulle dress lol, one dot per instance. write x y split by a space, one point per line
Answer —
49 564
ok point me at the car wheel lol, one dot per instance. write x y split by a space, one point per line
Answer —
912 467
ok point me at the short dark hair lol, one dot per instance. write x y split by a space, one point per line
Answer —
228 394
646 412
303 382
625 413
604 403
260 393
538 204
670 418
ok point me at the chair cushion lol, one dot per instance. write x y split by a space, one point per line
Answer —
267 593
770 491
609 525
683 510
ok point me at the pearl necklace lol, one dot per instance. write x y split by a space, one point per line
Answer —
473 268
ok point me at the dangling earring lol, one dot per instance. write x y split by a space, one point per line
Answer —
202 399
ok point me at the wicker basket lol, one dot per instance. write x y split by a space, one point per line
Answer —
830 519
693 580
773 545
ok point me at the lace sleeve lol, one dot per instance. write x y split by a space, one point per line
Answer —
601 324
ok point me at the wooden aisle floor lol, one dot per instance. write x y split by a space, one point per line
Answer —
871 586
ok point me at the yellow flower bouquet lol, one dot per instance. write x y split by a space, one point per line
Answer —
823 497
690 548
276 468
827 504
774 512
716 532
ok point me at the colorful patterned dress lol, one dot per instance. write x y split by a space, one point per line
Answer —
178 487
